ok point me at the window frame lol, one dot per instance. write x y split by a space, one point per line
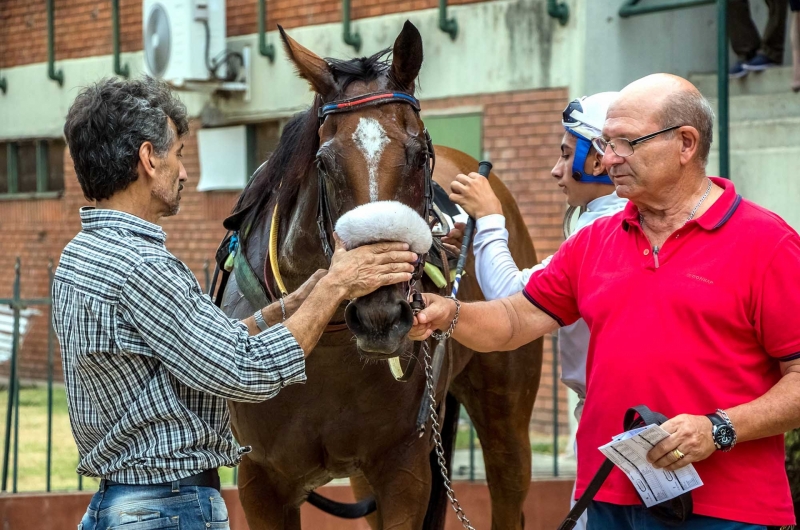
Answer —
42 172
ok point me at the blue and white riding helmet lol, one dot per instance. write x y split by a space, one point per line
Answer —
583 118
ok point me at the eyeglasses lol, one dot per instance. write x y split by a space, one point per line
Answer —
624 147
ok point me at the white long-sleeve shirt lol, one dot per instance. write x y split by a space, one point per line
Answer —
500 277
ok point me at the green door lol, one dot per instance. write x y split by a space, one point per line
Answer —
461 131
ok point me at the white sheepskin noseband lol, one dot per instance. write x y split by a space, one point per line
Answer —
384 221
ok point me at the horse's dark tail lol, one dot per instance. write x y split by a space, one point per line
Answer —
438 502
344 510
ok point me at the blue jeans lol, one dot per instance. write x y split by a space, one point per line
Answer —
152 507
605 516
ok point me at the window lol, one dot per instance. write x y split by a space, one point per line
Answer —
262 139
230 155
26 167
459 131
31 168
55 165
3 169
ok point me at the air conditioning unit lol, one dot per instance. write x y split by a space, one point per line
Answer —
182 39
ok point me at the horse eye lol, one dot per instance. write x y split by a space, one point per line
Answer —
417 157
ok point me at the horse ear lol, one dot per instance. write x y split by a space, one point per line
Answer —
310 66
407 57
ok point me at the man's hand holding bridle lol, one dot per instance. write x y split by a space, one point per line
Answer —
438 314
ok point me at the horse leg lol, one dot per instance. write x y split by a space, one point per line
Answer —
498 390
402 484
265 508
362 490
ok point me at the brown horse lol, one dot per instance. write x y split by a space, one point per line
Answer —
352 418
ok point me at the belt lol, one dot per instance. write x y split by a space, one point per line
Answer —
208 478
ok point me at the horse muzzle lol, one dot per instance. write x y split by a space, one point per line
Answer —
380 321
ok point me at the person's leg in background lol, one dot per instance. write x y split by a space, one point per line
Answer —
743 34
774 35
794 5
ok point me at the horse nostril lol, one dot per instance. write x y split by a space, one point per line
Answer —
351 318
406 316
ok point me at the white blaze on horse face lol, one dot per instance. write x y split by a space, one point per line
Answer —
371 139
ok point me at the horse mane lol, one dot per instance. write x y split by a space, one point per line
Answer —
280 178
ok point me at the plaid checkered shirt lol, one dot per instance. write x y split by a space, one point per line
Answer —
149 360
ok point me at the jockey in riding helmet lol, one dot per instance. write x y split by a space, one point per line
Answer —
581 175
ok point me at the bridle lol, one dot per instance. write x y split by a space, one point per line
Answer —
325 223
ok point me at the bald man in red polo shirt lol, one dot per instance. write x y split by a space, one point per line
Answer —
693 303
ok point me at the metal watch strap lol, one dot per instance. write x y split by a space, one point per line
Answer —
260 322
724 415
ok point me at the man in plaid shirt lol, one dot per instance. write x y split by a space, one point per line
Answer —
148 359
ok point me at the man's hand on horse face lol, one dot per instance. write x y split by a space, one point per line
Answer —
362 270
474 193
438 314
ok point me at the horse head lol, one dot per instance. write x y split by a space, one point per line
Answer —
373 148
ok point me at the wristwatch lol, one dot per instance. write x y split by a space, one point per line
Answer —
722 431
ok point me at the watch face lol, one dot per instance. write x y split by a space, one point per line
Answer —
724 436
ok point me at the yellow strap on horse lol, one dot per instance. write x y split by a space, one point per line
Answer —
273 252
394 366
437 276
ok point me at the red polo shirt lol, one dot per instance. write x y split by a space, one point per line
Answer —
704 328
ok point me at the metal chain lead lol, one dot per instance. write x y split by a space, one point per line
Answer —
437 439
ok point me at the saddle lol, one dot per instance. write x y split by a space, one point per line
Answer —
445 211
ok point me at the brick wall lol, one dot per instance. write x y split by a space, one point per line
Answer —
83 27
521 133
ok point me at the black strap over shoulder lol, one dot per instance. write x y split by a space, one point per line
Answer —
672 512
